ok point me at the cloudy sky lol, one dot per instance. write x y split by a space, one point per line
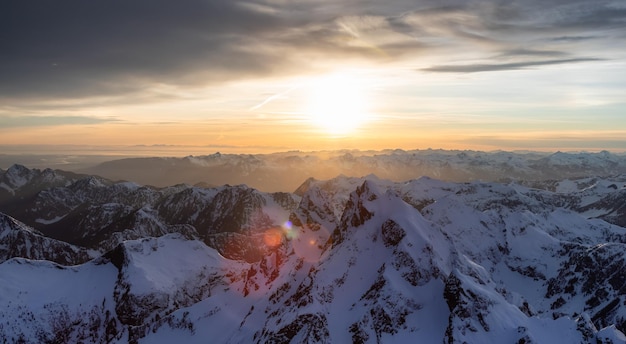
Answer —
276 75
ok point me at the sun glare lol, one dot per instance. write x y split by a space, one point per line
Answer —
337 103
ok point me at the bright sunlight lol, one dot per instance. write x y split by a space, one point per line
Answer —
337 103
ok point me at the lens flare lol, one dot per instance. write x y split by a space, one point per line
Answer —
273 237
289 231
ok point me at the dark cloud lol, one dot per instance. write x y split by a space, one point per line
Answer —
43 121
587 15
531 52
571 38
474 68
78 49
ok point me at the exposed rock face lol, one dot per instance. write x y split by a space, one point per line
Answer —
392 233
594 277
355 213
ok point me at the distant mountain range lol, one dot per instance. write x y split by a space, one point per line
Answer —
345 259
286 171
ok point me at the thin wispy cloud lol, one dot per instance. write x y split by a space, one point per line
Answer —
480 67
272 98
47 121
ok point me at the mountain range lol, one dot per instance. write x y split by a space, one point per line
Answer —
343 259
286 171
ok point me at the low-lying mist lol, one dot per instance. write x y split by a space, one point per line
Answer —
286 171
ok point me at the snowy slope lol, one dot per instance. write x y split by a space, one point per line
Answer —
44 302
112 298
361 260
295 296
387 274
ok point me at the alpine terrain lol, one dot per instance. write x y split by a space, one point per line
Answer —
84 259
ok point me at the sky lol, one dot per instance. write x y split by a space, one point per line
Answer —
199 76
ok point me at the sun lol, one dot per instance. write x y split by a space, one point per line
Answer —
337 103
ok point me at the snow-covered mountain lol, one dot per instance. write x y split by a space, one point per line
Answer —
19 240
363 260
106 300
97 213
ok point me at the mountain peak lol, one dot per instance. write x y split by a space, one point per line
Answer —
304 187
19 240
356 211
18 175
